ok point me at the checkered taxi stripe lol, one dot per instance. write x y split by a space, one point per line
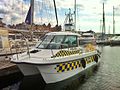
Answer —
63 53
89 59
68 66
73 65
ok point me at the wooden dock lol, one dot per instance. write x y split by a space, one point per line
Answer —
6 68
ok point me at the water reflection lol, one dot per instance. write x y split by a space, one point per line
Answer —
73 83
36 83
18 82
11 82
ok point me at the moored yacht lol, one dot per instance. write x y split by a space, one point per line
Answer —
57 57
88 37
115 41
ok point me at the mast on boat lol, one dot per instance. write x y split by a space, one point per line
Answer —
103 26
75 15
32 18
69 23
113 20
55 12
32 11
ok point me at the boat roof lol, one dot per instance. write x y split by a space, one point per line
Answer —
63 33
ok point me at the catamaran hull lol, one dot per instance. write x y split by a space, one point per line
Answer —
57 72
56 77
28 69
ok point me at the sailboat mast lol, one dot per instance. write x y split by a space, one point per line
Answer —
32 11
75 15
113 21
103 27
55 12
32 18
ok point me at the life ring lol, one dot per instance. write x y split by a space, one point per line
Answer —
83 62
96 58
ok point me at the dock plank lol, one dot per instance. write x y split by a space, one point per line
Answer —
6 68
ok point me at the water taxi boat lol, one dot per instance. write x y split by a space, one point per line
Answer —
57 57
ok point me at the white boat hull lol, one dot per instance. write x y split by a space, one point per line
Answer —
51 73
56 77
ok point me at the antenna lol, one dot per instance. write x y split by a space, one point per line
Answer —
68 23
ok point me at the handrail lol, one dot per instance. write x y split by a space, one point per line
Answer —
16 51
28 51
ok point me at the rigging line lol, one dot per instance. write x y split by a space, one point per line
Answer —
39 11
48 11
37 4
42 11
50 6
35 11
46 7
46 14
51 11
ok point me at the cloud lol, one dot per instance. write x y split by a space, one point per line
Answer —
104 1
3 11
89 12
12 11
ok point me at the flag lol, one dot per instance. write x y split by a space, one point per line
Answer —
28 17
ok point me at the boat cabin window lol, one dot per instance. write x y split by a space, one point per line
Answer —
51 42
70 41
58 41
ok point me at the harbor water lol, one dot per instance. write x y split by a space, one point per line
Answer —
105 76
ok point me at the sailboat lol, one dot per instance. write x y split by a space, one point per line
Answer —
57 57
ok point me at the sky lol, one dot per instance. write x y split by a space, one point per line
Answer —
89 13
